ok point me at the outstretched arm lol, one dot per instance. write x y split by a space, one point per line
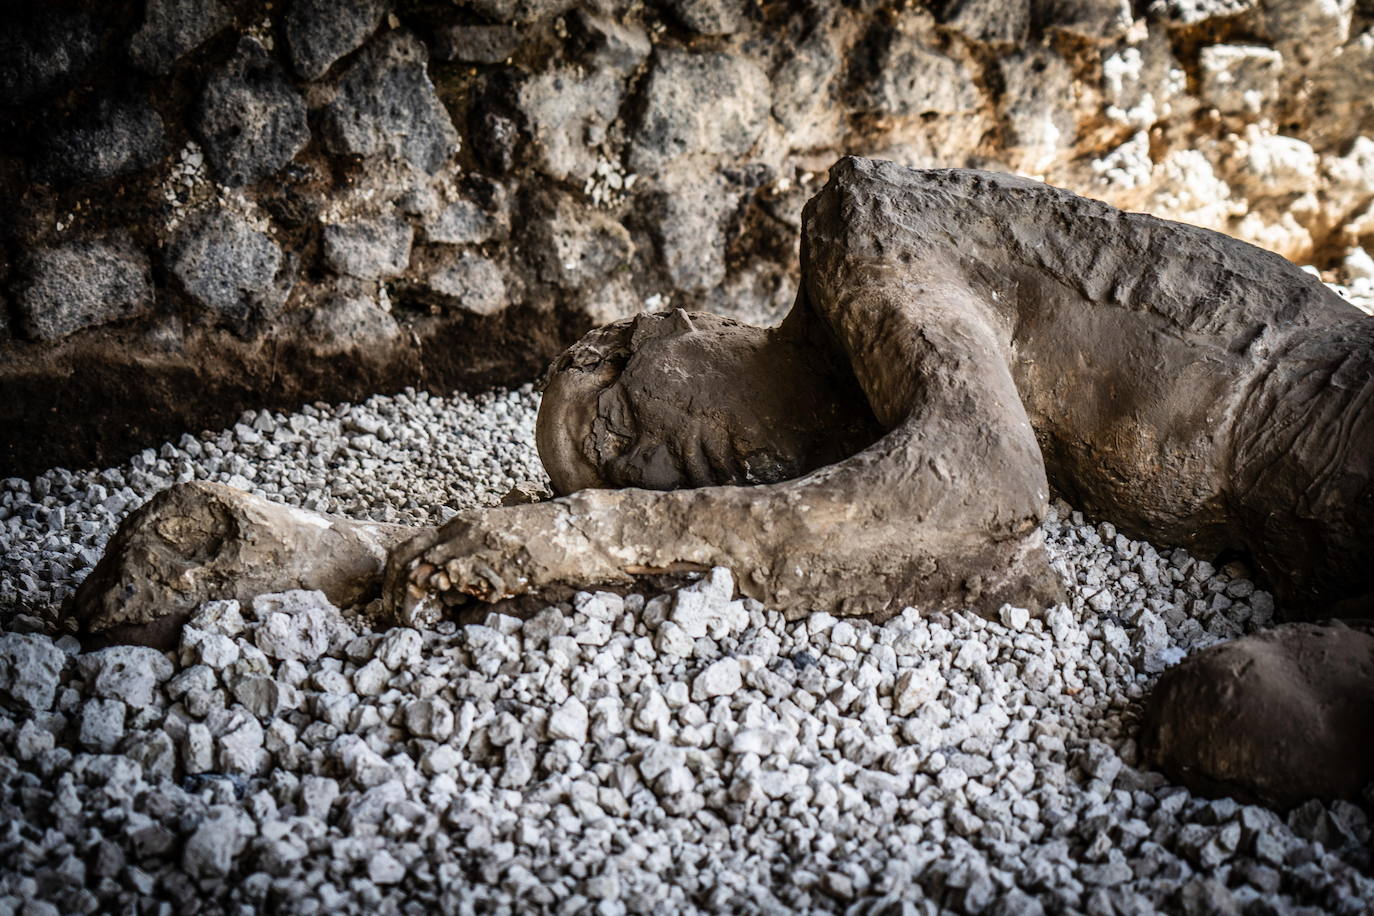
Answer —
942 510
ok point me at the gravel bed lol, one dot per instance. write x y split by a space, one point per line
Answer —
679 751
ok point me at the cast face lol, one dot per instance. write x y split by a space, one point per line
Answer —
670 401
568 414
661 413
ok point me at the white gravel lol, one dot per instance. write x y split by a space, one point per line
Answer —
677 752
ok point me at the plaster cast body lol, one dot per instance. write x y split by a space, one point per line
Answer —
1277 717
961 341
198 541
1003 335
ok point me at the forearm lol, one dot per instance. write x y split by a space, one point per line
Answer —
591 538
905 520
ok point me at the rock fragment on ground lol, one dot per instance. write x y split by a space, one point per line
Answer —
30 669
1280 717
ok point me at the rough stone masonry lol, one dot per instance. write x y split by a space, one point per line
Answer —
220 205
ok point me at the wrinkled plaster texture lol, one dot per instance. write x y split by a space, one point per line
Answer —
324 199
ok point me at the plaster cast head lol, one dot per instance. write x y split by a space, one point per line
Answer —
672 400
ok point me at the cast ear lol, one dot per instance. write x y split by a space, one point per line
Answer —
680 323
656 326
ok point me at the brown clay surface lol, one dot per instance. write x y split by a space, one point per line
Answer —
197 541
1277 718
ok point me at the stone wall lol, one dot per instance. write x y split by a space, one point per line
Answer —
217 204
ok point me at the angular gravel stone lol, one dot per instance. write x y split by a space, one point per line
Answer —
263 696
673 640
32 740
102 725
432 718
212 847
383 868
30 670
197 749
318 794
298 625
400 648
569 721
1014 618
238 739
131 674
213 650
704 608
439 759
659 759
913 689
543 626
370 679
719 679
224 617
